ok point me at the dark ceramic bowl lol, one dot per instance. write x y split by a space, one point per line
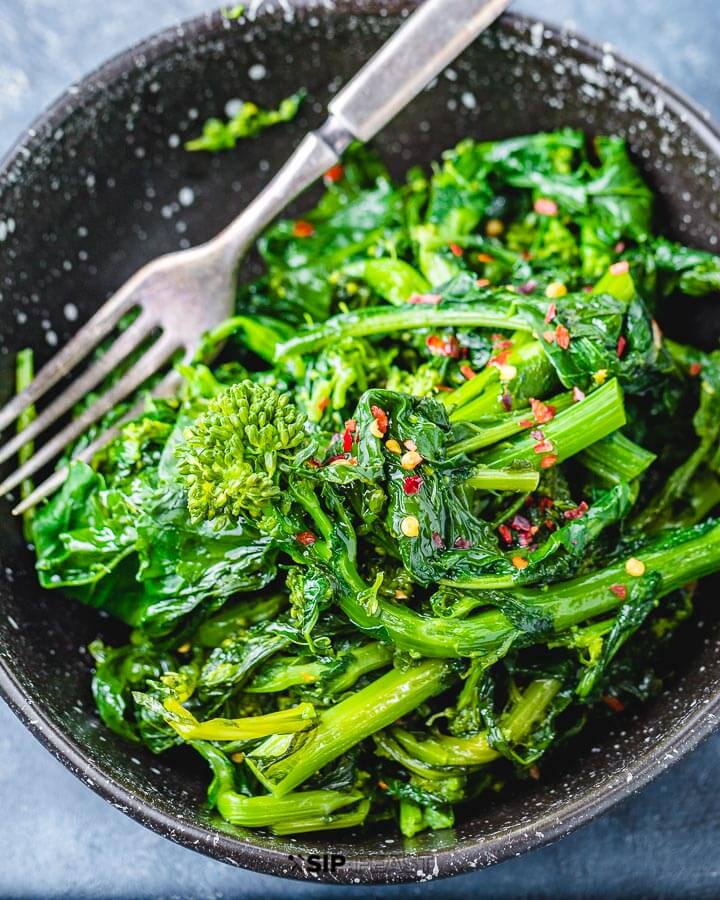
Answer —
95 189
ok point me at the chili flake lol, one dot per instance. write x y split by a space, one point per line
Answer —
548 461
695 369
506 400
439 346
527 287
621 345
549 336
519 562
410 444
410 526
619 247
562 336
543 206
620 268
412 484
393 446
303 229
306 538
617 706
578 395
437 540
576 513
534 773
379 426
410 460
543 446
526 423
543 412
520 523
462 543
467 371
551 313
334 174
456 249
341 460
555 289
482 282
619 590
505 534
347 441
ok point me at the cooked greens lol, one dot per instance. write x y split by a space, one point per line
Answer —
417 512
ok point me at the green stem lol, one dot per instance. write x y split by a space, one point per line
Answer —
516 725
497 430
256 812
571 431
487 479
616 458
695 554
340 727
386 320
285 721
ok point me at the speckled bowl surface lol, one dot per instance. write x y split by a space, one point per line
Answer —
101 184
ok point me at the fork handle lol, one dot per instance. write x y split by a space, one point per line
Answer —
429 41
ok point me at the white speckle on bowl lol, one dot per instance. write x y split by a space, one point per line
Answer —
70 311
257 72
51 338
186 196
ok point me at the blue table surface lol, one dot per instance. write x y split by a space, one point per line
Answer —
58 839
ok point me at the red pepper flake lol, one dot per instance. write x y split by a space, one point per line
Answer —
437 540
500 343
410 444
534 773
548 461
306 538
323 404
482 282
543 206
619 590
412 484
526 423
545 503
456 249
439 346
551 313
619 247
543 412
549 524
424 299
543 446
617 706
351 426
576 513
695 369
562 336
549 336
578 395
520 523
537 435
505 534
303 229
485 258
347 441
467 371
527 287
621 345
381 419
462 543
313 463
444 388
334 174
382 785
506 400
519 562
620 268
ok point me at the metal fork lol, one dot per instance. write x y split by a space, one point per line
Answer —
185 294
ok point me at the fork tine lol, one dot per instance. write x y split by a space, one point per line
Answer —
159 353
166 388
127 342
76 349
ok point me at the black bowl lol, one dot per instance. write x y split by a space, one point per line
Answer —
93 190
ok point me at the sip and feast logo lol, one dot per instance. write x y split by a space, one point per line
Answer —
316 863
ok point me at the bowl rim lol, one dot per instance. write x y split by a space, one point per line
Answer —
232 849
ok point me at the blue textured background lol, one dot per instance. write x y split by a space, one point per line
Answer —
57 839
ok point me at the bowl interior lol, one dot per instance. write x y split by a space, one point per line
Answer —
101 185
